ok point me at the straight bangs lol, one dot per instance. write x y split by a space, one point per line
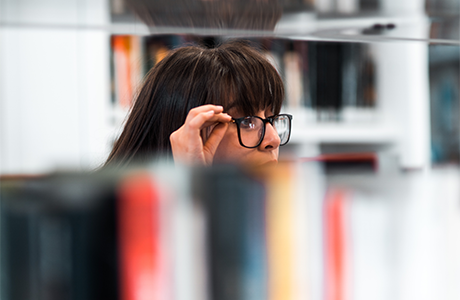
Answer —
245 81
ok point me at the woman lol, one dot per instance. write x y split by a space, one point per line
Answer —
207 105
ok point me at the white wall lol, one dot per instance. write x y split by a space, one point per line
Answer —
54 84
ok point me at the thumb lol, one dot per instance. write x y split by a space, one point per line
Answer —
214 140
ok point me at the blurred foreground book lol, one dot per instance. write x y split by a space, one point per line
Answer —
289 232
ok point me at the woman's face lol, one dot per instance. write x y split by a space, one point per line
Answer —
230 149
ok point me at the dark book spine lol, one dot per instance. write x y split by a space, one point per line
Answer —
236 239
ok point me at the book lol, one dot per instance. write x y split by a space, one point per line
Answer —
122 64
142 272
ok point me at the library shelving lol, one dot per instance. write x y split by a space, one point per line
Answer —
70 65
354 98
304 231
174 233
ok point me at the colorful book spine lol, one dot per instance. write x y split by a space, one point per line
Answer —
280 234
255 270
141 268
121 45
335 244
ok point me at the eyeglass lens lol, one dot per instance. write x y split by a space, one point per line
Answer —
252 130
281 124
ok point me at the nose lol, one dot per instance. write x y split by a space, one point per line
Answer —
271 139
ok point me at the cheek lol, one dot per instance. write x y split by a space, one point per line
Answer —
229 148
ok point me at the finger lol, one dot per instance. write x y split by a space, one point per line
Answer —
207 119
204 108
220 118
215 138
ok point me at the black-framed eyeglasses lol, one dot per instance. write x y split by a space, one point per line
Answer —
251 129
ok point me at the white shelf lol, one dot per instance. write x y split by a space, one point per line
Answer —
356 125
344 133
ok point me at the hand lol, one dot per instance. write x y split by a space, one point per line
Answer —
187 144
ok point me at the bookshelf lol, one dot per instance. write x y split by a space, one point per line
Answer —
72 59
335 231
226 233
369 109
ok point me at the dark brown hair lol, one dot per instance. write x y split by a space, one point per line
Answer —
234 75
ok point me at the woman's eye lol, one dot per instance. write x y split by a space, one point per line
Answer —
248 124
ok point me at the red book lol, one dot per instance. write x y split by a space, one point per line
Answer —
139 240
334 233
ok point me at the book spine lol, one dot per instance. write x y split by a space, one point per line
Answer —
255 271
280 234
139 239
334 237
293 80
122 70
